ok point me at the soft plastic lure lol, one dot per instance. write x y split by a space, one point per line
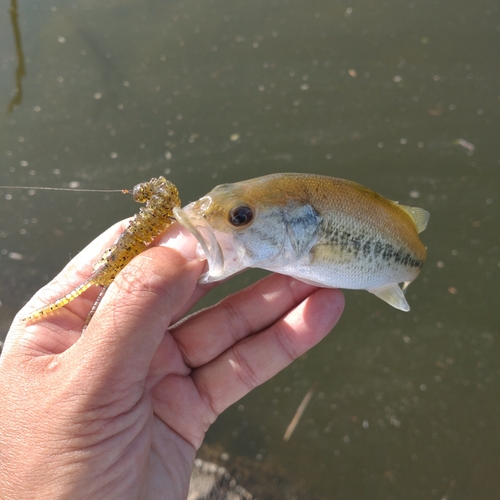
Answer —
160 197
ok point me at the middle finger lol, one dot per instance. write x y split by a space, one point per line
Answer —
208 333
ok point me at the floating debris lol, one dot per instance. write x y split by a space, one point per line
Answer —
298 414
465 144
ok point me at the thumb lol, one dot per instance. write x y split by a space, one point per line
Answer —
132 318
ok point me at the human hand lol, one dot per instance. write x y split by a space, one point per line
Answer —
119 411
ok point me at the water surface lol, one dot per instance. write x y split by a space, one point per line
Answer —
400 96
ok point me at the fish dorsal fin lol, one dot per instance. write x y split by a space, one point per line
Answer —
393 295
419 216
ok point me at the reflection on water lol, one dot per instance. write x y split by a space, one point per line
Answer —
21 68
399 96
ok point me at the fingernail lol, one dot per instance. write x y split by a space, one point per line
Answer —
180 239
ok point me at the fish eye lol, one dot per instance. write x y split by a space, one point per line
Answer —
240 215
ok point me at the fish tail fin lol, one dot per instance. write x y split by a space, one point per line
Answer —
419 216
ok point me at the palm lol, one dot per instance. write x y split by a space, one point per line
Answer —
138 394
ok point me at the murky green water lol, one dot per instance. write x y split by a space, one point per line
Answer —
400 96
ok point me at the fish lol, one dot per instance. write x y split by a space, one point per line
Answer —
325 231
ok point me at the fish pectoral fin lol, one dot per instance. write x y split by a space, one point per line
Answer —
393 295
302 223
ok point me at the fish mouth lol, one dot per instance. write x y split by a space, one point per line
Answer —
208 247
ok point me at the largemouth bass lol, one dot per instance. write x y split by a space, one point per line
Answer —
325 231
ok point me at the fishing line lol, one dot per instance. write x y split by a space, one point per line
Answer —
76 190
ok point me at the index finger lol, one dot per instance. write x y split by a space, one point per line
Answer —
56 332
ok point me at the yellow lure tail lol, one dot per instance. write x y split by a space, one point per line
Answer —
62 301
